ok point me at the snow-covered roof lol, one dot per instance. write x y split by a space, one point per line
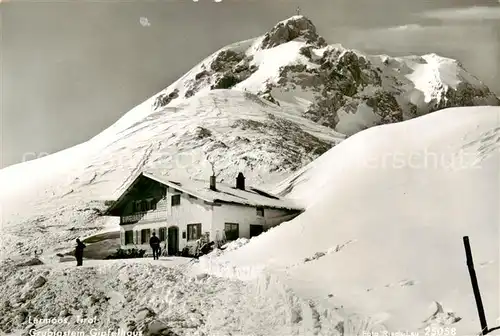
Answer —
225 193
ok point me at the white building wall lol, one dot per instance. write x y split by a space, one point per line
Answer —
246 216
190 211
275 217
242 215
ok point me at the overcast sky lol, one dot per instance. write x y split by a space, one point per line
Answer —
72 68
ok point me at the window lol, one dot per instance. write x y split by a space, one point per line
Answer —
176 200
145 233
129 237
144 205
232 231
193 231
163 234
260 211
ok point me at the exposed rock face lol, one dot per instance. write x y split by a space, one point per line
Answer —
386 106
291 29
226 60
227 69
230 68
164 99
226 81
467 95
338 82
342 86
343 81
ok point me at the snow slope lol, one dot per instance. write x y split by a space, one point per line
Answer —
377 250
382 234
266 106
59 197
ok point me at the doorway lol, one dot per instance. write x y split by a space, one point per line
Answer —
256 230
173 240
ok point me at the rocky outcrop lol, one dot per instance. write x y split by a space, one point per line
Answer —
164 99
291 29
342 81
227 69
385 105
226 81
466 94
337 82
202 132
350 73
226 60
324 110
230 68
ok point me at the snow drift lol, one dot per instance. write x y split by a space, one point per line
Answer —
386 213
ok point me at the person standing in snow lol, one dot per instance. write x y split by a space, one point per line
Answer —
154 242
79 252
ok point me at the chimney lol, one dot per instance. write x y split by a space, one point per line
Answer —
212 183
240 181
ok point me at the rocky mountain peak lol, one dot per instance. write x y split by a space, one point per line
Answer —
292 67
295 27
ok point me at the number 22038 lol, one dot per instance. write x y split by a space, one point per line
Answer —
440 331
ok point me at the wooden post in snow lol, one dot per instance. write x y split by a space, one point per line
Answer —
475 286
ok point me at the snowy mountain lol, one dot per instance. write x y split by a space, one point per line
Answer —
379 249
293 67
380 243
62 195
266 107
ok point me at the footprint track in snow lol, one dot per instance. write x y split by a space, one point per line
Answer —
483 145
489 140
402 283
